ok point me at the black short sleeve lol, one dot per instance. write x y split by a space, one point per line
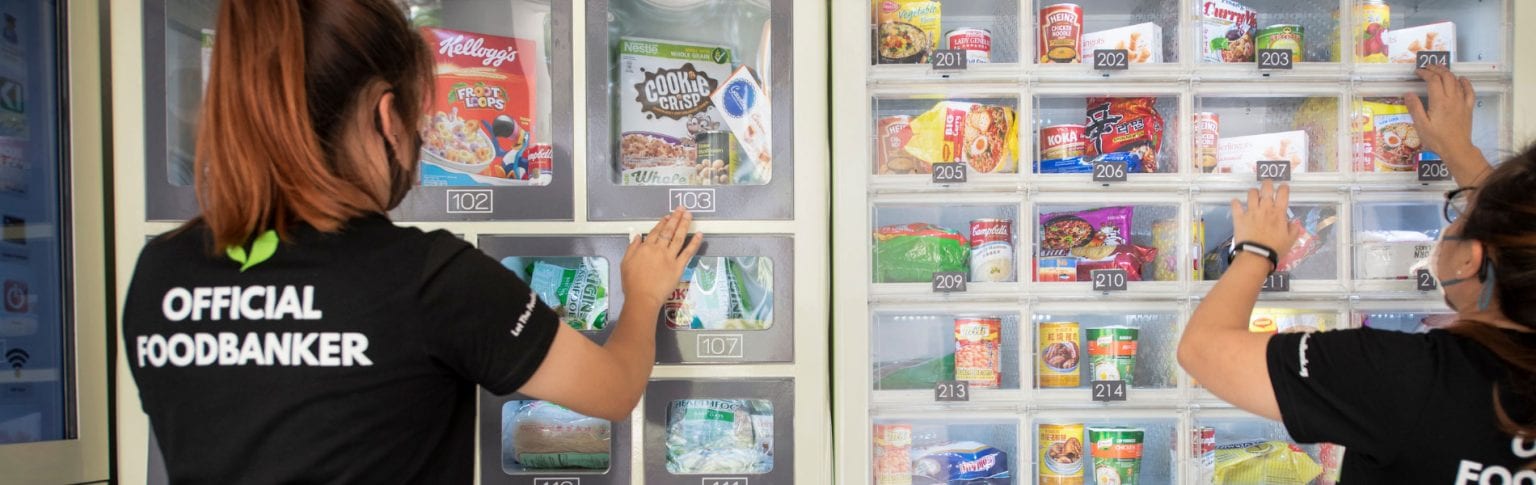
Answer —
1361 388
482 321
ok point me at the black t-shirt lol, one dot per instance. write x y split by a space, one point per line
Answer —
1408 408
349 357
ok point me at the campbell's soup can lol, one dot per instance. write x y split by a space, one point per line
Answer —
1062 454
1060 354
1207 140
977 44
1061 142
541 160
991 250
1061 33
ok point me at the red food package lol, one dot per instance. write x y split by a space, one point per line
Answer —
1130 125
480 120
1128 257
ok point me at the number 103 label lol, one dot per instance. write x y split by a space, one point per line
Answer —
694 200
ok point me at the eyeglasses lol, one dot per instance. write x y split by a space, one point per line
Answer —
1456 203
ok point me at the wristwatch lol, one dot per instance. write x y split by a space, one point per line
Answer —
1255 248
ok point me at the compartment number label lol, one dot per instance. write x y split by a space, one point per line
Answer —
952 391
1277 282
1110 280
1109 172
476 201
1111 59
1107 391
1276 59
723 481
719 345
1276 170
1423 281
557 481
1432 58
695 200
949 60
949 282
950 173
1433 171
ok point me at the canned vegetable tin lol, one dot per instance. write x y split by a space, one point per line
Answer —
715 157
1112 353
1372 19
1116 454
1283 36
1061 454
1063 142
979 351
977 44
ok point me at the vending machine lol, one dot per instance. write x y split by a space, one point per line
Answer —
1033 196
610 114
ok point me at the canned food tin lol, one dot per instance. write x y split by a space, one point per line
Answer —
1203 449
715 157
1061 454
1116 454
991 250
1207 140
1372 19
977 44
893 454
1061 33
1112 353
892 133
979 351
541 160
1059 355
1283 36
1063 142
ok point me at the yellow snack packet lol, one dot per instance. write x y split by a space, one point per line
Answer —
985 137
1264 462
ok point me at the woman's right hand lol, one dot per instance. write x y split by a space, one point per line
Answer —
1445 126
1265 219
654 263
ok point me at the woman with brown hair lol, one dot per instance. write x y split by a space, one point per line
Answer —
1450 406
291 332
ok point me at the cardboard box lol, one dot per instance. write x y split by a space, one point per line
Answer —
1144 42
1239 154
1403 45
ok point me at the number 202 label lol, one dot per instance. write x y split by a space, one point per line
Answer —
474 201
694 200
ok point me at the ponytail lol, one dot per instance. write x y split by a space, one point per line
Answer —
285 81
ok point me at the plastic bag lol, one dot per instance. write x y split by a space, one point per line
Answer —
575 288
1126 125
718 436
959 462
1264 462
724 293
545 435
912 253
985 137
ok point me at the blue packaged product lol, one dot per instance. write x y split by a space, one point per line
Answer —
960 462
1085 164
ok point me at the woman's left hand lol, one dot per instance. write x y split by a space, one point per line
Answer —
1265 220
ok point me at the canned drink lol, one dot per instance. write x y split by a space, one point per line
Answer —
893 454
1203 450
1061 454
1059 355
1112 353
1063 142
1116 454
1284 36
1207 140
977 44
1061 33
991 250
541 160
715 157
1372 19
979 351
892 133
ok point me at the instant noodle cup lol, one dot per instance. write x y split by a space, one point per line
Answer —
1061 454
1059 355
1116 454
1112 353
984 137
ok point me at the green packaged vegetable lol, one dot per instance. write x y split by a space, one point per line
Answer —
912 253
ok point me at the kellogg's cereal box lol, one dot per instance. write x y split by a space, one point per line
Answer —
663 102
479 126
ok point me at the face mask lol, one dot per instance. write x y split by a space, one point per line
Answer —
400 178
1432 262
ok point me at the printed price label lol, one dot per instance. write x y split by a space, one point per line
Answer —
1276 59
1276 170
1109 172
557 481
1423 281
1277 283
949 60
1433 171
695 200
1110 280
952 391
949 282
1107 391
950 173
1111 59
476 201
1432 58
719 346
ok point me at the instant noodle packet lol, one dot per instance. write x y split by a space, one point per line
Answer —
1385 140
1270 462
985 137
1126 125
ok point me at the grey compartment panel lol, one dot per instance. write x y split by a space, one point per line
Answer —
780 392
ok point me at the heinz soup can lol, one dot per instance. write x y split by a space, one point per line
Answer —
1207 141
977 44
991 250
1061 33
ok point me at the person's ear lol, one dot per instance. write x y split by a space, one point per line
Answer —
1471 263
389 122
